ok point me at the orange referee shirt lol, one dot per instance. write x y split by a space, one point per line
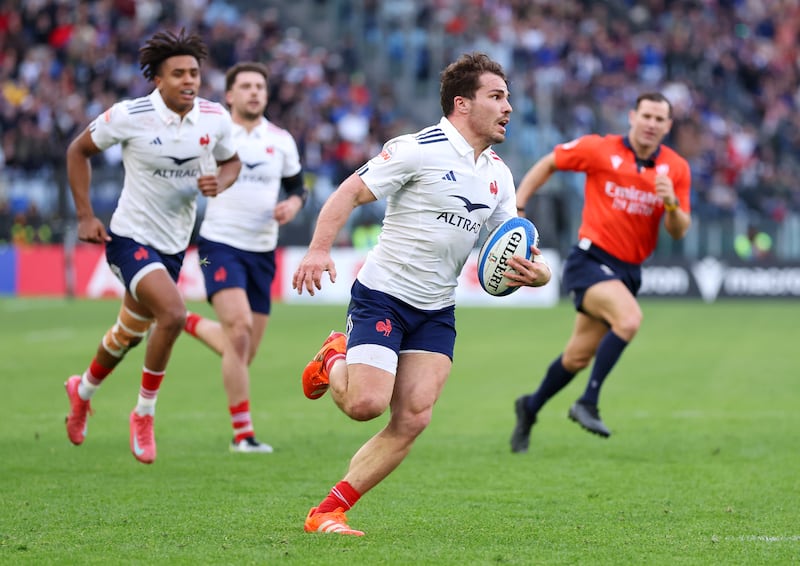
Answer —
621 212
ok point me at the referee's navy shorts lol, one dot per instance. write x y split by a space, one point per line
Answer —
374 317
225 267
588 264
130 261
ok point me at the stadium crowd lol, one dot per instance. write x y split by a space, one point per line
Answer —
730 68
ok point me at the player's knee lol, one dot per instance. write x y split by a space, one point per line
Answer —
627 326
574 362
238 334
410 424
172 320
364 408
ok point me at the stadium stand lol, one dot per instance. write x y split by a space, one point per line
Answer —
347 74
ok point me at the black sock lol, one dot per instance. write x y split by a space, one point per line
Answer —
556 378
608 352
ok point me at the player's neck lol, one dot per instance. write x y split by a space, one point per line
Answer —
641 151
246 123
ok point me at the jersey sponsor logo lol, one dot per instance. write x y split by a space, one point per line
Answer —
470 206
459 222
493 187
449 176
616 161
181 160
176 173
205 140
632 199
384 326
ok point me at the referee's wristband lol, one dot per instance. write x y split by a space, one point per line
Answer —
673 206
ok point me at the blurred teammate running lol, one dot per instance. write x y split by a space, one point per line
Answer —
237 243
172 144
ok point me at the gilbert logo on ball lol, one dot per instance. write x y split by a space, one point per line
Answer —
513 237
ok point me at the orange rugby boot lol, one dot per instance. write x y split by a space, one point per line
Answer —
333 522
315 377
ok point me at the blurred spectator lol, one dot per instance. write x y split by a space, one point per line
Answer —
730 69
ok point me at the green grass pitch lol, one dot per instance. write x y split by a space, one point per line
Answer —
703 466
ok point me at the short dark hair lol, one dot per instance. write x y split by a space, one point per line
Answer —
653 97
166 44
462 78
244 67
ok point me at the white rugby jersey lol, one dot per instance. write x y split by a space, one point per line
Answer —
437 199
162 156
243 216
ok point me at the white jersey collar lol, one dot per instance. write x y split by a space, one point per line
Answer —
238 129
169 116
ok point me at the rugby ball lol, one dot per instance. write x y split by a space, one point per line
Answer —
515 236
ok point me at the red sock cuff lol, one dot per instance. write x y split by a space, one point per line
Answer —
151 380
341 496
331 358
347 493
243 407
98 372
191 323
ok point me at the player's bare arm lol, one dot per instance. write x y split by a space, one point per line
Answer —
676 221
332 218
79 174
536 176
227 173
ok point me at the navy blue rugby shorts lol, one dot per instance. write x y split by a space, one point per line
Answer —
225 267
130 261
374 317
586 267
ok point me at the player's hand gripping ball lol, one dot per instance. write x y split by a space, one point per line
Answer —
515 236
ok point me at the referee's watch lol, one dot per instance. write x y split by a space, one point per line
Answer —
672 205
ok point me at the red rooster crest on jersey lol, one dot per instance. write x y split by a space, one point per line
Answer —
384 326
493 187
205 140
